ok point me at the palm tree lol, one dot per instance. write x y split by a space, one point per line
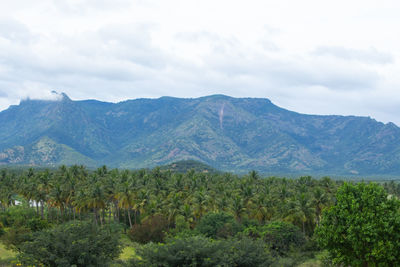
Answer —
7 191
57 197
126 198
320 200
238 207
262 208
300 210
200 200
174 202
96 200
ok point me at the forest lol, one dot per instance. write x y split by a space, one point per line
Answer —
74 216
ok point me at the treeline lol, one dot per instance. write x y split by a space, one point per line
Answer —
130 196
273 218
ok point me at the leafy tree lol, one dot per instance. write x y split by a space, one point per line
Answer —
201 251
279 236
152 228
71 244
14 237
218 225
246 252
363 227
21 221
191 251
126 197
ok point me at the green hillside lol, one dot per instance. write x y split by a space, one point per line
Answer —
230 134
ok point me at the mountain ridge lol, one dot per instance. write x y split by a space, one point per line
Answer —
232 134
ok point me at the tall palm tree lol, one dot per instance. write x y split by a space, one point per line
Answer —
299 210
96 200
320 200
238 207
126 198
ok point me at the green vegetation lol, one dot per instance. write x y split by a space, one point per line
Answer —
187 165
6 256
202 251
363 227
77 243
74 216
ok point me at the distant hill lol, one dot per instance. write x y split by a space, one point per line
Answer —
186 165
230 134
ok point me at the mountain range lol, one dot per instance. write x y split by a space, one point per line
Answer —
231 134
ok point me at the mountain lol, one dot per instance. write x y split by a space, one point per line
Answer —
231 134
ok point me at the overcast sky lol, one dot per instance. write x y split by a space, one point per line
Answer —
310 56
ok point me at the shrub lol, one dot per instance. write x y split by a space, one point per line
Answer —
245 252
151 229
191 251
71 244
217 225
20 216
280 236
203 251
14 237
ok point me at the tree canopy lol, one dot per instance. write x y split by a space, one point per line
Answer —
71 244
363 227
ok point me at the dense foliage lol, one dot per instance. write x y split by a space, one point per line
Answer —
363 227
71 244
217 225
152 229
132 196
280 236
201 251
199 218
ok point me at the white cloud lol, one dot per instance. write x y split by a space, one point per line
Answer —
309 56
368 56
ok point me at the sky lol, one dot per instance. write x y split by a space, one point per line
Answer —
311 56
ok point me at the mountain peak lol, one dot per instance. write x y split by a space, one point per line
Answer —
60 96
217 96
50 96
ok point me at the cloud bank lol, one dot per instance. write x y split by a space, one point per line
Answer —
305 61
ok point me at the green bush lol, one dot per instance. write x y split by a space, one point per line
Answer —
14 237
202 251
191 251
363 227
151 229
218 225
71 244
21 216
245 252
280 236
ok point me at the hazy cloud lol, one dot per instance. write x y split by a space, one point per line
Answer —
82 7
14 31
3 94
115 50
368 56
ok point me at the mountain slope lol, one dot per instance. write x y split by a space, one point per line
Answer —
235 134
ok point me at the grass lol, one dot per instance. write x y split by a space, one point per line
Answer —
319 260
311 263
6 256
128 251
